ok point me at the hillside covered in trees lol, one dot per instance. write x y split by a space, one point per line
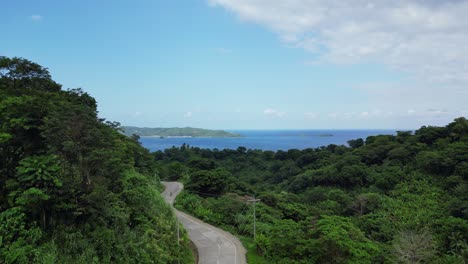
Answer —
73 189
390 198
175 132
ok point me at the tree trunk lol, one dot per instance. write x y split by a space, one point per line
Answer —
43 220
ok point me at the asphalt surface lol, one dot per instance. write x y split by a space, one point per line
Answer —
214 245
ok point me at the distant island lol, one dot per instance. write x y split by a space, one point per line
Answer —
325 135
176 132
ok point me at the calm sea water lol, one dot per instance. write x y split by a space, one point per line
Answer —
266 139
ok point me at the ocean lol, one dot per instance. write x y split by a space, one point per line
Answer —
266 139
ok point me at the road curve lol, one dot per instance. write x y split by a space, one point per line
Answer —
214 245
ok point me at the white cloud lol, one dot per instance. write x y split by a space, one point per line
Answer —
311 115
364 114
36 18
427 38
273 113
437 111
398 97
349 115
188 115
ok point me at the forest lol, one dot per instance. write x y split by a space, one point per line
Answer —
73 188
399 198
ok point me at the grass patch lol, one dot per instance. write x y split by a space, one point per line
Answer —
252 256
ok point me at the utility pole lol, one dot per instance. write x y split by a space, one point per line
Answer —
255 218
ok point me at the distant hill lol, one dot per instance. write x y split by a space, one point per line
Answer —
176 132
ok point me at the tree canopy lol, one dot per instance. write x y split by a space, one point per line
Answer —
387 198
73 189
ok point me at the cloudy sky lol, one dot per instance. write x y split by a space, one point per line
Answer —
260 64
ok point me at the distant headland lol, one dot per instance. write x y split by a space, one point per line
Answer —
326 135
176 132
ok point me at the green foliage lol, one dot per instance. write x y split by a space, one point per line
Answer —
73 189
378 201
40 171
254 254
411 247
337 240
31 198
17 236
209 182
356 143
284 237
176 171
412 206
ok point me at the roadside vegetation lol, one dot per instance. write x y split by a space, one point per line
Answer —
390 198
73 189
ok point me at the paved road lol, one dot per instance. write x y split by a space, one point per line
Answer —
214 245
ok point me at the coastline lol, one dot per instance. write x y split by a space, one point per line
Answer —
162 137
265 139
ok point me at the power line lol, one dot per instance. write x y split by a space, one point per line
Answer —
207 194
238 224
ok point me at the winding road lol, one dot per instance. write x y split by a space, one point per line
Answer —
214 245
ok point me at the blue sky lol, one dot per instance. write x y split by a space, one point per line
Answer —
251 64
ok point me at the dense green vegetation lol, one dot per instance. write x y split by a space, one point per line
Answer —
389 198
176 132
73 189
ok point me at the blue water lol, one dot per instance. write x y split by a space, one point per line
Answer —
266 139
